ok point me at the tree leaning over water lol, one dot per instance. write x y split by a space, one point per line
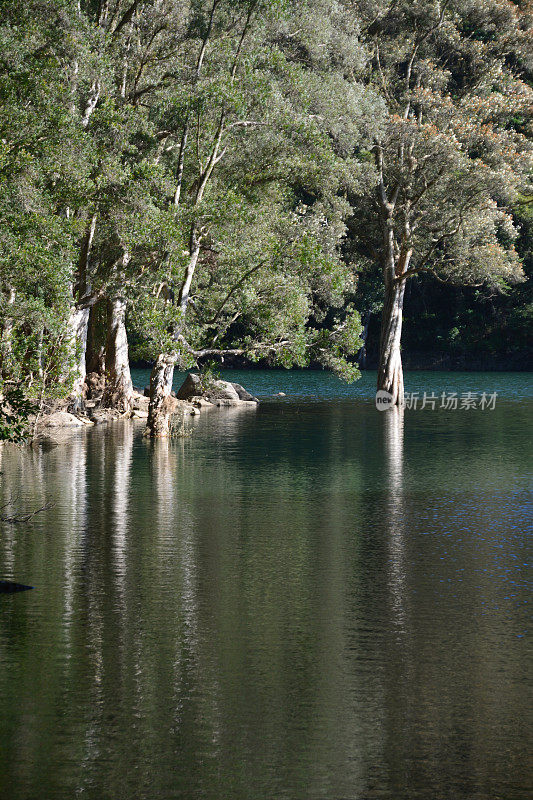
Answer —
259 267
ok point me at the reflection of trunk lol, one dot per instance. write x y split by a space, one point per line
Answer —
390 374
77 335
160 388
395 511
119 389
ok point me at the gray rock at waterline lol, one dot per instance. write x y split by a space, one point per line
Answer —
62 419
139 414
98 416
200 402
243 394
218 390
236 404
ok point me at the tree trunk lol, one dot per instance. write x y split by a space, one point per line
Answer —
160 388
77 326
119 388
6 335
390 373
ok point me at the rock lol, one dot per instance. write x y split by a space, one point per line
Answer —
139 414
236 404
85 420
217 390
200 402
146 391
243 394
62 419
101 415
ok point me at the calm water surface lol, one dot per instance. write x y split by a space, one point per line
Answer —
311 601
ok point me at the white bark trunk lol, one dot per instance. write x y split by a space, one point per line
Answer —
183 300
7 333
77 326
390 373
160 389
119 388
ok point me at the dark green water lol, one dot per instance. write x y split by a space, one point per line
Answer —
314 600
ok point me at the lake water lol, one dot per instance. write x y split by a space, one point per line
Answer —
311 601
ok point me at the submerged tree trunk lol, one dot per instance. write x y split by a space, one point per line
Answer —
119 388
390 373
77 326
160 389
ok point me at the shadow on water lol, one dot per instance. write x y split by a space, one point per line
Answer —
8 587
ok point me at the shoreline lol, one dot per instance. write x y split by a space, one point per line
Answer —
190 401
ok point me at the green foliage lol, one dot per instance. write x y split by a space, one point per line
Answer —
15 412
209 375
215 163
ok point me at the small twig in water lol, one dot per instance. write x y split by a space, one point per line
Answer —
17 518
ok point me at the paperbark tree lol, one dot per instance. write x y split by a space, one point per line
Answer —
449 158
119 388
160 388
242 116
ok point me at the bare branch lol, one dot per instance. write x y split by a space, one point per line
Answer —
15 519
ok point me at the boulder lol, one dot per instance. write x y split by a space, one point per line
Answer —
62 419
102 415
217 390
243 394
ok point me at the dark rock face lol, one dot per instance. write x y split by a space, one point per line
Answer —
218 390
243 394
